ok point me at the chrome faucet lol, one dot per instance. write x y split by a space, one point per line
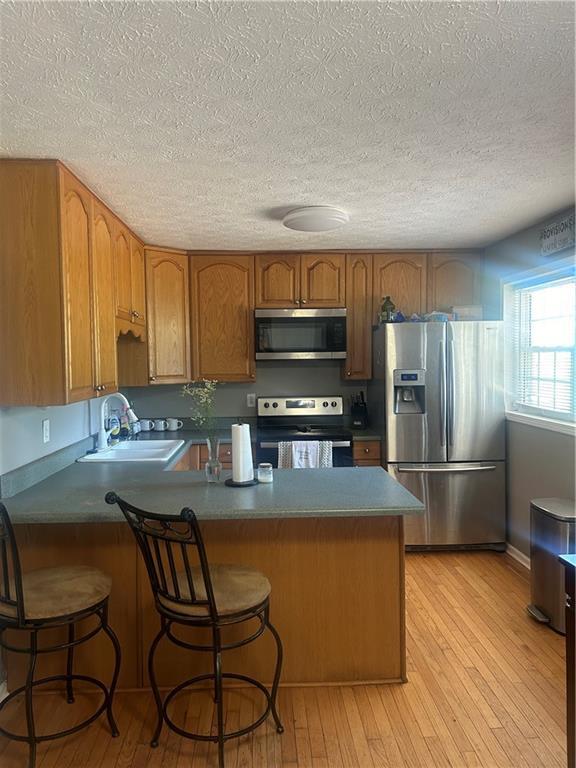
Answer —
103 433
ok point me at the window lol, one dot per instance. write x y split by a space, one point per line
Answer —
543 360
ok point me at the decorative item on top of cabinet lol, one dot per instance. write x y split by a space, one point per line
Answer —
167 284
454 278
222 301
402 276
54 324
300 280
366 453
358 364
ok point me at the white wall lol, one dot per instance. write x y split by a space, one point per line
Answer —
540 462
21 432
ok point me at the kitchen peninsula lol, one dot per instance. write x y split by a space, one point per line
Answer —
330 541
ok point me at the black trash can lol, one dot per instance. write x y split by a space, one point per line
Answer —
552 533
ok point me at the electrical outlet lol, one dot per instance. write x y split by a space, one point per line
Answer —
45 430
251 400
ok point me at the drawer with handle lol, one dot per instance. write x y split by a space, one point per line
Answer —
367 451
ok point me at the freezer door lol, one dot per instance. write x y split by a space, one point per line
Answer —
475 377
465 503
416 347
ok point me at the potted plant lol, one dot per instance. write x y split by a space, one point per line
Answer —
202 394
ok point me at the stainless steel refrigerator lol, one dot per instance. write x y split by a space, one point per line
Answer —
438 397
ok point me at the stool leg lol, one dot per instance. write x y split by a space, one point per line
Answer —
117 661
70 665
163 629
28 698
279 659
218 693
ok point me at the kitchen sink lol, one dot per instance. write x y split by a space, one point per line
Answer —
148 450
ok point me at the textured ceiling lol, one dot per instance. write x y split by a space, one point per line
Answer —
433 124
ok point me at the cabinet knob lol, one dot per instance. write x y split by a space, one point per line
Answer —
228 453
303 301
366 450
135 314
152 378
102 387
348 373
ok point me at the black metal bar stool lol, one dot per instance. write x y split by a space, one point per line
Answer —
49 598
199 595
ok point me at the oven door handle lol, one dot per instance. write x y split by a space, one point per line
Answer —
335 444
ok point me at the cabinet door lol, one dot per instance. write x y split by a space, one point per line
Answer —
222 297
277 280
123 271
168 316
454 279
103 300
138 282
358 316
323 279
75 224
402 276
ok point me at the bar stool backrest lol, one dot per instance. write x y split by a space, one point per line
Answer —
11 592
172 546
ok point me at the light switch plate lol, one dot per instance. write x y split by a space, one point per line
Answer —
251 400
45 430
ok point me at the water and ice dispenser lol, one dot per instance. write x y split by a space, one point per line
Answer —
409 391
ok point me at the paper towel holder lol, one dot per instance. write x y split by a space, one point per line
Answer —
232 484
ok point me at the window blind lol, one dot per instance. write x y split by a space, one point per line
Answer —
544 337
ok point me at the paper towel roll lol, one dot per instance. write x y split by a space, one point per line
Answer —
242 464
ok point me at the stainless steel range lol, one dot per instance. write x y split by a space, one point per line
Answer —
281 419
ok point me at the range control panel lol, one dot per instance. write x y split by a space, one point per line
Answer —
300 406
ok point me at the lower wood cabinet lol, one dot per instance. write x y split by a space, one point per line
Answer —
222 300
366 453
167 279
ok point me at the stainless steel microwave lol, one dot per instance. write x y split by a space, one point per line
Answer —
300 334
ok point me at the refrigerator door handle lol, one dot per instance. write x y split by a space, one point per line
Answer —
442 470
451 393
442 395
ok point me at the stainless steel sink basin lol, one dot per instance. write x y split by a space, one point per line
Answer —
147 450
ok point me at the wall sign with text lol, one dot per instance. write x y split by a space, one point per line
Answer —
557 236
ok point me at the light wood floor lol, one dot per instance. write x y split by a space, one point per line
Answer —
486 688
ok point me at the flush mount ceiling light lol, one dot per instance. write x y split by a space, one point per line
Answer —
315 218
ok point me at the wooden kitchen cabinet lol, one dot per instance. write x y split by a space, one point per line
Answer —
323 280
402 276
167 281
307 280
454 278
358 364
366 453
103 300
277 280
57 298
130 281
222 311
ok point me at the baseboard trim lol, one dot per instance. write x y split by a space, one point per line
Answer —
518 556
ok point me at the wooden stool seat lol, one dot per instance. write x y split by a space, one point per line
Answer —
50 593
236 589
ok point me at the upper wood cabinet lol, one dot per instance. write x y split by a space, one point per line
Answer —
222 299
56 301
167 281
358 364
103 299
277 280
402 276
454 278
291 280
130 281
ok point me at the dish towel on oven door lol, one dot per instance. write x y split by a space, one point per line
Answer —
304 454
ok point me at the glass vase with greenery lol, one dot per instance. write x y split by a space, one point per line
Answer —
201 394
